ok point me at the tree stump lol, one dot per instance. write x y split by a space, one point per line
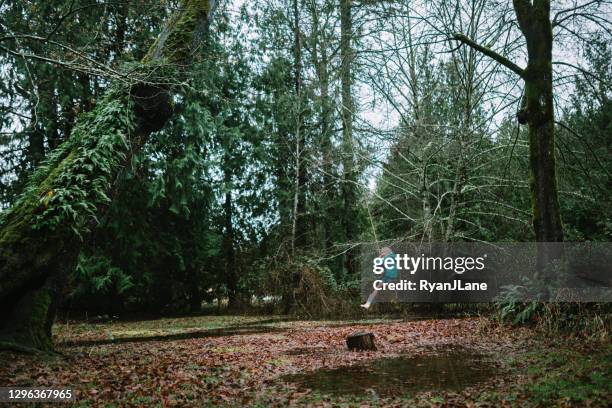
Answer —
361 341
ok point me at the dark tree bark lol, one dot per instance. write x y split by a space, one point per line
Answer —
538 113
535 24
41 234
195 296
320 60
299 197
36 144
231 275
349 182
299 177
45 126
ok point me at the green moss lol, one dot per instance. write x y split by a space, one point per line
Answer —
27 327
65 191
59 203
64 195
571 376
175 45
72 183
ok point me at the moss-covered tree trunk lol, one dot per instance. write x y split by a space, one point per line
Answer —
41 234
538 113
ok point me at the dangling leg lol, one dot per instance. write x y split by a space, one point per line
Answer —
370 300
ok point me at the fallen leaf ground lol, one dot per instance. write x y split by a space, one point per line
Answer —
244 361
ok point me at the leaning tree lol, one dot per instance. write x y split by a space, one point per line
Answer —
40 235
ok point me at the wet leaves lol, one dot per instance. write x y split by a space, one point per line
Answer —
244 368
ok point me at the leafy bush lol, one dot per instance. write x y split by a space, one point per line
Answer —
301 286
96 274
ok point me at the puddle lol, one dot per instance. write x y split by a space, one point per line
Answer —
450 371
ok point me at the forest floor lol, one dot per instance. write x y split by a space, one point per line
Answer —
258 361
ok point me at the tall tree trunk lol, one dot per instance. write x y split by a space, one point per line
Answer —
289 300
456 197
231 275
538 114
320 61
465 69
349 196
534 22
415 100
195 294
298 195
41 233
426 205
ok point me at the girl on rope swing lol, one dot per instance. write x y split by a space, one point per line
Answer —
390 273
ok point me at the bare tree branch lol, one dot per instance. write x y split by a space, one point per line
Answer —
491 54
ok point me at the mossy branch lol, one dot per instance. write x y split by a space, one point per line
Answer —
40 233
182 34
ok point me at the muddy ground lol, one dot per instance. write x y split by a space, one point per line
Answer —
258 361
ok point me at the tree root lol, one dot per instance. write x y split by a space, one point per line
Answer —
11 345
